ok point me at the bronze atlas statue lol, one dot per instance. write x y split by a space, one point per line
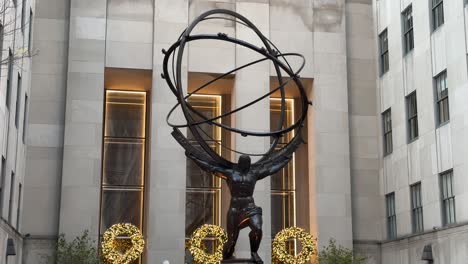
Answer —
242 176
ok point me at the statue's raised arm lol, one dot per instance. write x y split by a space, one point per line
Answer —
203 160
278 160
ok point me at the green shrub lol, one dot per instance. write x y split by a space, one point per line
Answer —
81 250
333 254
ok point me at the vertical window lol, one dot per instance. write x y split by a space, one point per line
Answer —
384 62
1 46
283 189
30 35
442 100
9 78
18 210
387 131
23 15
416 208
412 113
408 36
448 198
203 189
391 216
18 102
10 201
124 152
437 13
25 116
2 187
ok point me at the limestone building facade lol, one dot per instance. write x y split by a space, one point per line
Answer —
15 77
422 91
382 171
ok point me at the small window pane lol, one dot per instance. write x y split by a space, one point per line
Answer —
416 208
197 178
391 216
412 113
125 114
123 161
407 16
437 13
201 207
448 198
282 211
121 206
208 106
384 61
442 108
387 131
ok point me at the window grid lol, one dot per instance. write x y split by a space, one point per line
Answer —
391 216
124 159
25 116
384 58
2 186
23 15
18 209
448 198
9 78
1 46
437 14
442 100
408 34
10 201
283 186
387 132
416 208
30 35
18 101
203 190
412 112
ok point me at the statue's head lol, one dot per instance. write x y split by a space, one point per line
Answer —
244 163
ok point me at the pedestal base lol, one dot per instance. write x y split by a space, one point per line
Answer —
240 261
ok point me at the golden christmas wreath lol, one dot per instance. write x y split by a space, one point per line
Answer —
199 255
109 248
279 246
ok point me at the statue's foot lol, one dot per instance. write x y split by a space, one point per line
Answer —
256 258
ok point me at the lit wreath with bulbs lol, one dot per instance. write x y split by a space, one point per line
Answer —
279 246
199 255
109 248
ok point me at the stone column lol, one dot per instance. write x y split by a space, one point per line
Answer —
328 130
81 174
250 84
167 173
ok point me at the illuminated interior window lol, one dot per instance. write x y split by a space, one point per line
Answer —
203 192
123 166
283 185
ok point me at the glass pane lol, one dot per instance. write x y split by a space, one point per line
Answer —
275 114
209 106
449 185
282 211
201 207
284 179
123 161
452 210
121 206
125 114
445 104
197 178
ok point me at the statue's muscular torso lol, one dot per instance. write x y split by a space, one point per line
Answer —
241 184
